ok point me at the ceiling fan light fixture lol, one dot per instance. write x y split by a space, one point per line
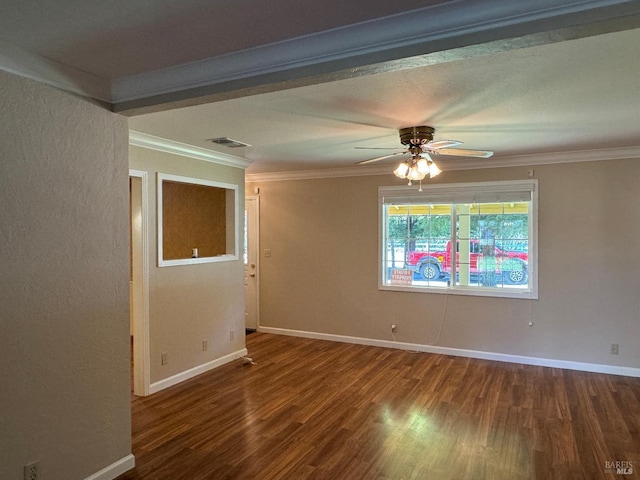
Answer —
419 144
423 165
414 174
434 171
402 170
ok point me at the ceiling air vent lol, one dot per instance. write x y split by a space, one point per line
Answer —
229 142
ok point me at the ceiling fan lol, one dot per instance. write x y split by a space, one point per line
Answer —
420 145
419 140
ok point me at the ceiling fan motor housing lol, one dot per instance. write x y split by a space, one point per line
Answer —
416 135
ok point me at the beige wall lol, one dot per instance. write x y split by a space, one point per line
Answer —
191 303
64 320
322 274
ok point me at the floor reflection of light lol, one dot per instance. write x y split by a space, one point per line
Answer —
409 437
432 441
416 423
419 423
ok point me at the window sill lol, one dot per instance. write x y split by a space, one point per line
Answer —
509 292
193 261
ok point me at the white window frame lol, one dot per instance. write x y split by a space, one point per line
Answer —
452 193
232 219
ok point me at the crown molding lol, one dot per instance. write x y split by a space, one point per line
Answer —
417 32
363 171
29 65
576 156
144 140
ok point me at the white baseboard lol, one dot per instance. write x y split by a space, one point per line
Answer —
192 372
459 352
115 469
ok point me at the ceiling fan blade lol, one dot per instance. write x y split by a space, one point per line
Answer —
364 162
419 140
460 152
381 148
442 144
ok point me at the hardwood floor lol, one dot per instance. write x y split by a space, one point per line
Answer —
313 409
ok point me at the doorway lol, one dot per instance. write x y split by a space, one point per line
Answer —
251 267
139 280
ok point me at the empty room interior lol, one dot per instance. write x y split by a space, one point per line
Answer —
320 240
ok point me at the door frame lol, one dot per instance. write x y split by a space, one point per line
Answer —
141 356
256 198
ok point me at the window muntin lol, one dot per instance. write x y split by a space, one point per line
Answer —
491 224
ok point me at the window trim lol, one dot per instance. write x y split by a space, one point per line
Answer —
444 193
232 219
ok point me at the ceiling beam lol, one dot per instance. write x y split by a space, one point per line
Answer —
435 34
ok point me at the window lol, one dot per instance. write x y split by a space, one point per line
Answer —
196 221
493 226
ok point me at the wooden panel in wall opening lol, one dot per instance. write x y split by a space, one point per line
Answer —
193 216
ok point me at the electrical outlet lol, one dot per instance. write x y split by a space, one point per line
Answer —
394 327
205 345
164 358
31 471
232 335
614 349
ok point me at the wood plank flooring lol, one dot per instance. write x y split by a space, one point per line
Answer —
313 409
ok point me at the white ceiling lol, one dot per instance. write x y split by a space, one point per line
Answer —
304 82
119 38
579 95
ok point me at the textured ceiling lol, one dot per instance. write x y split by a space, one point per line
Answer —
300 82
118 38
576 95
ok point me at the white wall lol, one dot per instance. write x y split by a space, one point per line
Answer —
322 273
64 320
191 303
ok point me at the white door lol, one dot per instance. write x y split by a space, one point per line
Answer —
251 223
